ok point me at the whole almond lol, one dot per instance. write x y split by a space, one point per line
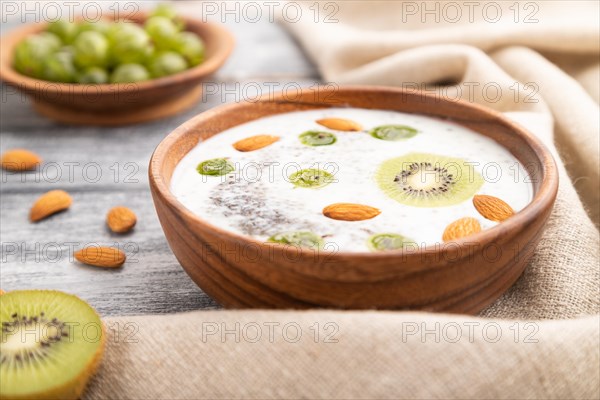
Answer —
20 160
350 212
492 208
255 142
461 228
120 219
339 124
105 257
49 203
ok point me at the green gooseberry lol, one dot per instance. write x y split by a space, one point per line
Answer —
162 31
298 238
52 41
311 178
91 49
128 73
167 63
59 67
93 75
215 167
102 27
387 241
317 138
130 44
393 132
30 53
165 10
63 29
190 46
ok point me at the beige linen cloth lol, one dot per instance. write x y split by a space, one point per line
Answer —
540 340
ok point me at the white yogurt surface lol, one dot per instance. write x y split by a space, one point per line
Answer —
258 200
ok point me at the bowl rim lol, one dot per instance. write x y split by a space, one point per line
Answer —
208 66
541 201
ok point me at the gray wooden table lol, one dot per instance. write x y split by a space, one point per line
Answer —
104 167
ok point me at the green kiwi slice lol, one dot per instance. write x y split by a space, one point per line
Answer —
51 344
387 241
298 238
215 167
317 138
311 178
428 180
393 132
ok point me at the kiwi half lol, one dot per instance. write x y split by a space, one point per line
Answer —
428 180
51 345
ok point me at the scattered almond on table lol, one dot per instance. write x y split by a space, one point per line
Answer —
492 208
20 160
121 219
461 228
104 257
340 124
50 203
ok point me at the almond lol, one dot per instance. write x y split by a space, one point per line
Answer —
339 124
461 228
20 160
120 219
350 212
492 208
49 203
105 257
255 142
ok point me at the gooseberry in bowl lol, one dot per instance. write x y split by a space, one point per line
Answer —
108 52
93 75
167 63
59 67
127 73
91 49
65 30
189 46
162 31
29 54
130 44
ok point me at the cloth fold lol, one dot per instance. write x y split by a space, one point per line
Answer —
549 342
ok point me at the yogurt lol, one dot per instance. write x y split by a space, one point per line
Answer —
258 199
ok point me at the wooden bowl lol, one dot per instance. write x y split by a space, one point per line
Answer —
118 104
238 271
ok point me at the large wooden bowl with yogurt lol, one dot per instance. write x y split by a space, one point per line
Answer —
462 275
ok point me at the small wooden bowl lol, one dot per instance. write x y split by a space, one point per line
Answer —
463 276
118 104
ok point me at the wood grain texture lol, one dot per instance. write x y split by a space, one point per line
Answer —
156 283
462 276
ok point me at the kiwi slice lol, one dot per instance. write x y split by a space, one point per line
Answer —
311 178
215 167
298 238
428 180
393 132
317 138
51 345
388 241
